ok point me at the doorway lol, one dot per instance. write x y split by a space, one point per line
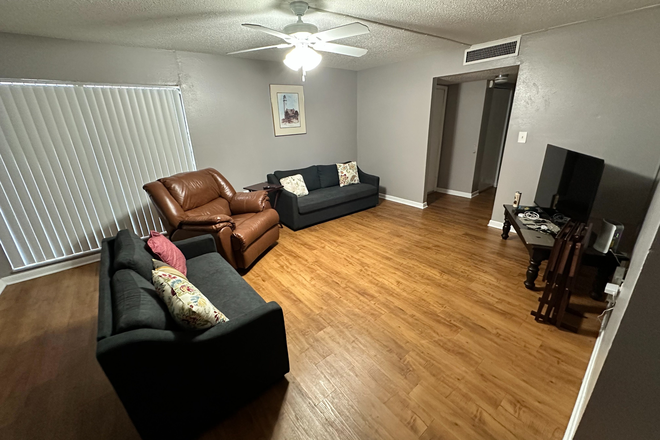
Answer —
468 126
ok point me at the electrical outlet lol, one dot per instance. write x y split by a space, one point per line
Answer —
522 137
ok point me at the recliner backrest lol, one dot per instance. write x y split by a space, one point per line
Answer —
196 188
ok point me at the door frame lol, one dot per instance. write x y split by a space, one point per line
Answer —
504 133
437 116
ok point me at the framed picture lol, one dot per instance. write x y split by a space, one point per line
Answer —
288 104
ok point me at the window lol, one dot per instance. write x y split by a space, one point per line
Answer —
73 159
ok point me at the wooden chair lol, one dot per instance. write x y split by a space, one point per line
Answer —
561 272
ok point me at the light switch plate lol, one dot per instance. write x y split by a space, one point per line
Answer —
522 137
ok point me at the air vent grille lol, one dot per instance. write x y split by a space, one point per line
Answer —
493 50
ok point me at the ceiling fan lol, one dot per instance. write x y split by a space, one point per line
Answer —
306 40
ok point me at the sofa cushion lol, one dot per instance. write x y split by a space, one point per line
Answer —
328 175
216 206
222 285
310 175
334 195
185 302
135 304
131 252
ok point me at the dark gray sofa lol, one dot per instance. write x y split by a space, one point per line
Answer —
177 383
326 199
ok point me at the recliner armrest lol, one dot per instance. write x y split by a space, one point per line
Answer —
196 246
210 219
207 223
243 203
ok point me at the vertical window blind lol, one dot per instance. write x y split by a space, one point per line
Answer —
73 159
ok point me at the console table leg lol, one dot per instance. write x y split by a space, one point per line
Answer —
532 273
506 227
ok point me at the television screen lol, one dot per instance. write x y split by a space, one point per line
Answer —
569 182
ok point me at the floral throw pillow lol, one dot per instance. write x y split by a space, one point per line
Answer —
164 267
187 305
348 173
295 184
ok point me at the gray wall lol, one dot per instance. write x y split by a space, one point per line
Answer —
460 140
394 104
226 99
228 109
625 401
592 88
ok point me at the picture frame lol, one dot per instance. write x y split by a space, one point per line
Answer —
288 109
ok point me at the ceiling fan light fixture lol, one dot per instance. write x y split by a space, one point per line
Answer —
304 57
307 40
302 36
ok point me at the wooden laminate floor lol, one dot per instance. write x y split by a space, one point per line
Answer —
402 324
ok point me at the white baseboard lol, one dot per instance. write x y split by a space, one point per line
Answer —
47 270
499 225
452 192
403 201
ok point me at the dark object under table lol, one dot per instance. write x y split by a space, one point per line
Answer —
539 245
269 188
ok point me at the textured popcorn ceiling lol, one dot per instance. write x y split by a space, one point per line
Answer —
213 26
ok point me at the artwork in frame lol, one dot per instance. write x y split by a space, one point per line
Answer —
288 105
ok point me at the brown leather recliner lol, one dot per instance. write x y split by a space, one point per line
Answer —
202 202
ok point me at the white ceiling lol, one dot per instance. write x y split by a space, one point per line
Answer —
213 26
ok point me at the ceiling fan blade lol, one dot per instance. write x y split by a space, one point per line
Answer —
340 49
258 27
349 30
275 46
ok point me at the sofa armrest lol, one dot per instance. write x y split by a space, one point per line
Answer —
369 179
273 179
220 368
256 337
243 203
106 271
287 208
196 246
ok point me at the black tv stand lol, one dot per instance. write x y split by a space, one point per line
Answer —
539 245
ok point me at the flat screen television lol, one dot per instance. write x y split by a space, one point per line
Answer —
568 183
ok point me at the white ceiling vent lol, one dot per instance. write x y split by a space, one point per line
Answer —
493 50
